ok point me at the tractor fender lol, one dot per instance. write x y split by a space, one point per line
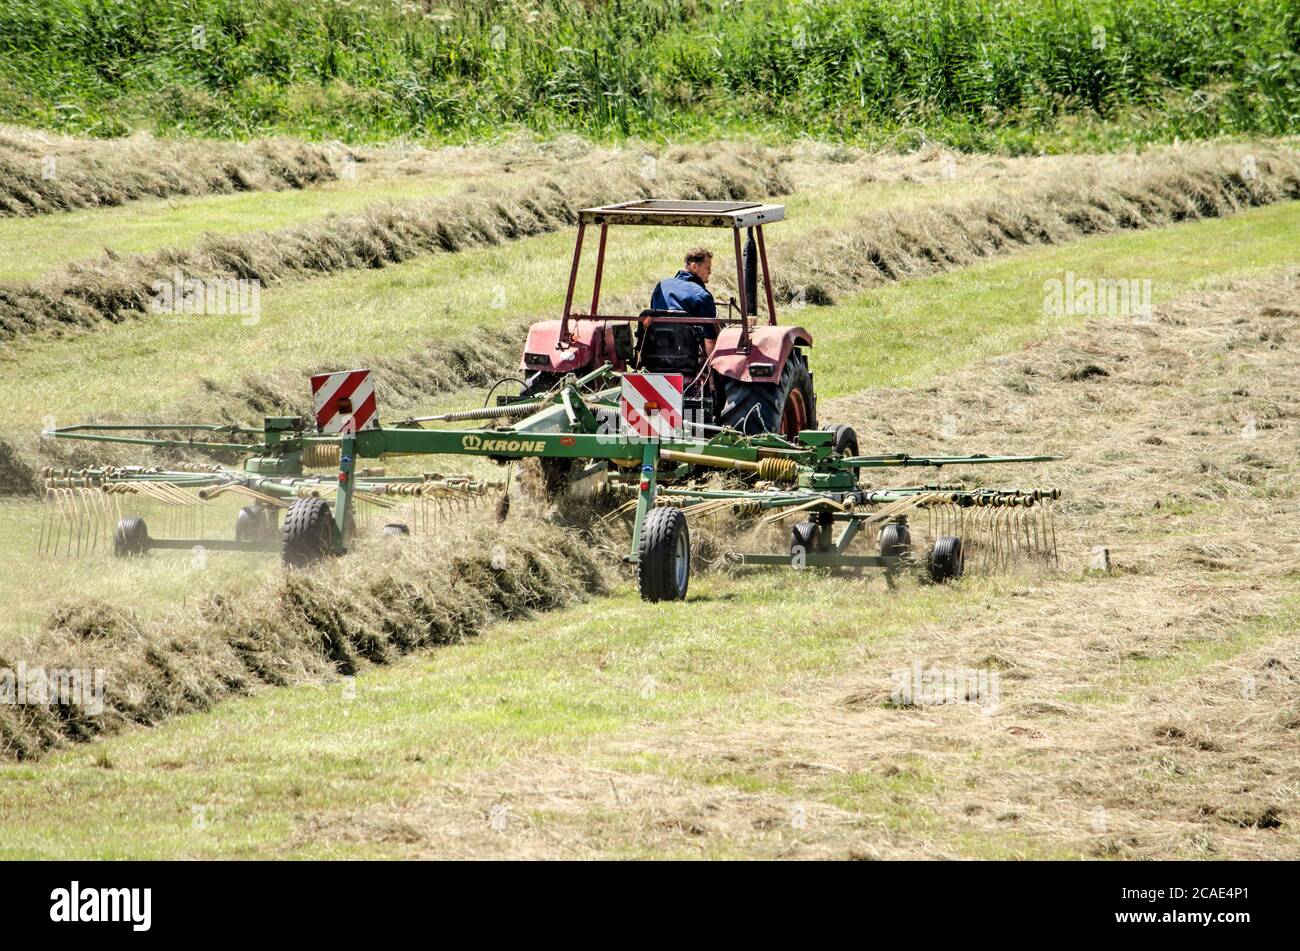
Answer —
587 343
767 345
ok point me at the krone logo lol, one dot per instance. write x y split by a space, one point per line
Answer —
474 443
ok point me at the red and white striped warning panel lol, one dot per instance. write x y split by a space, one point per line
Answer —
650 404
345 402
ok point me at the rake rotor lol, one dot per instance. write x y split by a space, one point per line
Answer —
83 507
1001 529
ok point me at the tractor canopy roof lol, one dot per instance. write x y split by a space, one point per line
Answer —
691 214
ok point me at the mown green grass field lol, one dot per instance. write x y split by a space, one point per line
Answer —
485 690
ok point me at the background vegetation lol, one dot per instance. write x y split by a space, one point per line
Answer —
1014 75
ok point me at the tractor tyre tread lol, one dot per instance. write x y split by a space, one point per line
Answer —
754 408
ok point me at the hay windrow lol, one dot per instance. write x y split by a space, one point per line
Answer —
118 288
16 476
404 379
890 246
389 597
1116 193
44 173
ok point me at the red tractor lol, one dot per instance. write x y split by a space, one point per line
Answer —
755 379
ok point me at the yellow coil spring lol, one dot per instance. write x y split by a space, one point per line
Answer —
320 455
775 469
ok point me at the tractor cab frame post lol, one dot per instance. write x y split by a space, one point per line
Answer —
740 289
734 215
565 336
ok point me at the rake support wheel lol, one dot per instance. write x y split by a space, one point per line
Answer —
946 560
664 556
895 540
131 537
806 538
308 534
255 523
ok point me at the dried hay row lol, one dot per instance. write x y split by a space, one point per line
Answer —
117 288
43 173
16 476
1203 182
1145 192
390 597
402 379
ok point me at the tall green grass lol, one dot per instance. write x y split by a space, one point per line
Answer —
979 73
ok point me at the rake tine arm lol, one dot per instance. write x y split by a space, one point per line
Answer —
903 460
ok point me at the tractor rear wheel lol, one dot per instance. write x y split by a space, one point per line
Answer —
131 537
664 556
308 534
784 407
946 562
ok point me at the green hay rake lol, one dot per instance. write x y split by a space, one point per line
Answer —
812 481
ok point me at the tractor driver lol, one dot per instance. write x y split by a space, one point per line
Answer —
686 291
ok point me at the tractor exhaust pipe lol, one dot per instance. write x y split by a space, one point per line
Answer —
751 274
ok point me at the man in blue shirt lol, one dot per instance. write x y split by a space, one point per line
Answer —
686 291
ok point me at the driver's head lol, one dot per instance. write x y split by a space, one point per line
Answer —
699 261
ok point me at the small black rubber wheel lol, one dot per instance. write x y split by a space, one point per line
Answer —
845 442
255 523
308 534
247 524
946 559
664 556
397 528
131 537
895 540
805 538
